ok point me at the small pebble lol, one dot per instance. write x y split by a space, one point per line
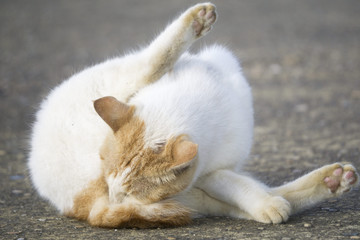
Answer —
355 94
301 108
16 177
352 234
355 237
330 209
13 233
275 69
17 191
307 225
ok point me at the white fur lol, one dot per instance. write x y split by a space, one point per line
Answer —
210 103
196 98
68 133
204 96
116 190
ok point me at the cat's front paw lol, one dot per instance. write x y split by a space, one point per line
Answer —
274 209
200 18
339 178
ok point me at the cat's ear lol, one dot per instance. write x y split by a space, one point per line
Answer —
183 153
113 112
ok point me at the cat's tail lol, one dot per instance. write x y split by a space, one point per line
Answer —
166 213
161 214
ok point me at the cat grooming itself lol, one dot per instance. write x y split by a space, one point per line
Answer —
153 138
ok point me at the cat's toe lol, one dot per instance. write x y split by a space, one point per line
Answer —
204 16
349 178
333 181
209 15
274 209
341 178
279 210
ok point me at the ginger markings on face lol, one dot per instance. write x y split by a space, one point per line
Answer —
134 170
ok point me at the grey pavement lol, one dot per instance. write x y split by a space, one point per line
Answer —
302 59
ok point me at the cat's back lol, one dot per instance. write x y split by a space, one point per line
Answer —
206 97
68 133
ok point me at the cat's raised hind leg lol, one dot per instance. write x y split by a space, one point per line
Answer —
160 56
326 182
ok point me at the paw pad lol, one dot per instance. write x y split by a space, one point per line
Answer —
342 179
204 16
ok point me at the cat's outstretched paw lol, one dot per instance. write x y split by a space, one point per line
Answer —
340 178
274 209
200 17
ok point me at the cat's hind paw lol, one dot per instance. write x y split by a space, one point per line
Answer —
340 178
201 17
274 209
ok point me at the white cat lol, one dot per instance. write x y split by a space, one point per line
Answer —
167 145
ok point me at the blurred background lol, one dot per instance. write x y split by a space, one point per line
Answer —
302 59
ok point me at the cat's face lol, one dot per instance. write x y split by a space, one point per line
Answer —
134 171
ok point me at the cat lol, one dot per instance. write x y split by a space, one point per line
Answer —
159 136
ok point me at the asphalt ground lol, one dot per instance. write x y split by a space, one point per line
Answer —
302 59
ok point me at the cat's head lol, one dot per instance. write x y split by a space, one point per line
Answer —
131 168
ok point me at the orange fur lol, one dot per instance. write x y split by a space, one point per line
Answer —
137 181
86 199
93 205
154 175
